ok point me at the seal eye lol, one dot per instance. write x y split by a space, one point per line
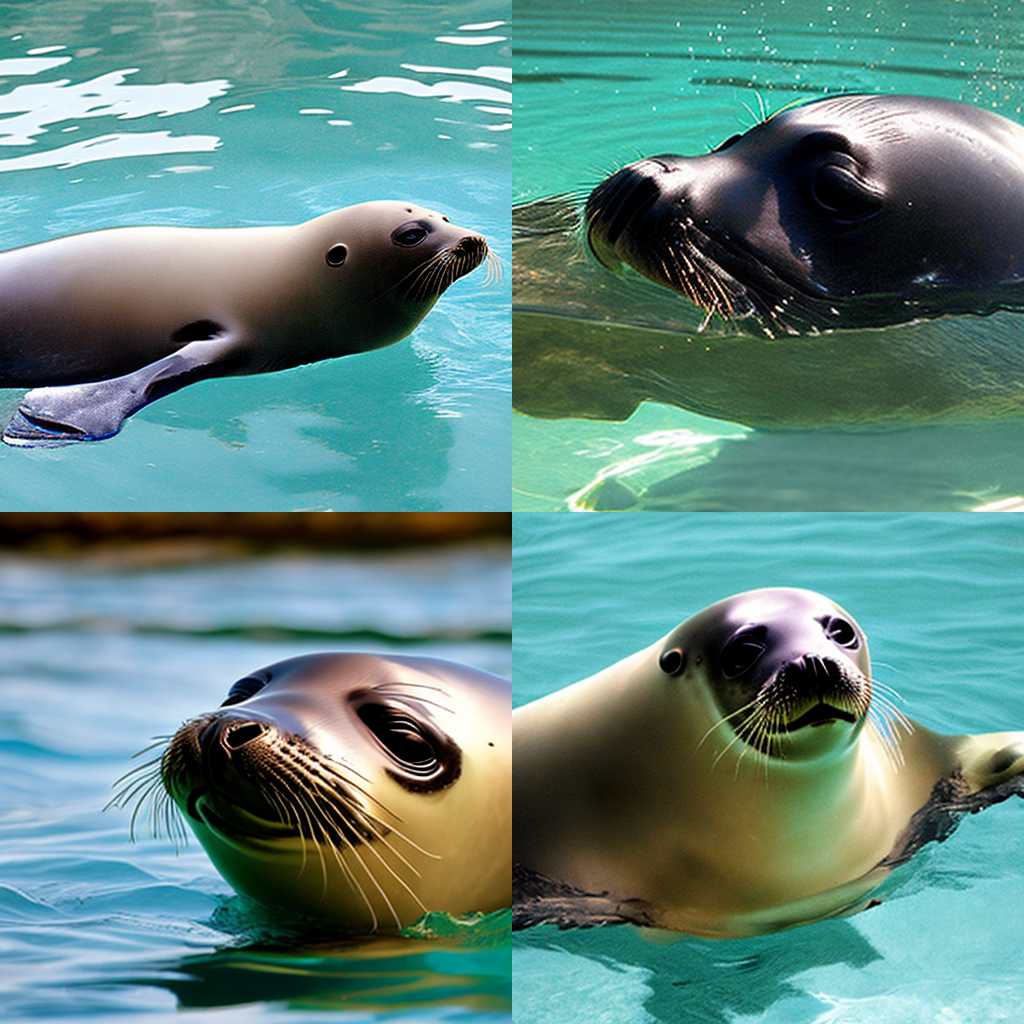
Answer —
841 632
337 255
409 234
673 661
243 690
743 650
410 745
839 191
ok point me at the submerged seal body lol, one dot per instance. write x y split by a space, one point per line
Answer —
745 773
855 261
105 322
360 790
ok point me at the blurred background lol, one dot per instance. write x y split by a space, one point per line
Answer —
116 628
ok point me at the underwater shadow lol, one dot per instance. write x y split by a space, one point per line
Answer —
715 981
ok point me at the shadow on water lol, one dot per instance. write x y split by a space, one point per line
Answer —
454 965
341 431
714 981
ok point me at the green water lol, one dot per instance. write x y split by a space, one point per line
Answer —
601 83
939 599
212 113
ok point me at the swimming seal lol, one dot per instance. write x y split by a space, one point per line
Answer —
855 261
743 774
359 790
119 318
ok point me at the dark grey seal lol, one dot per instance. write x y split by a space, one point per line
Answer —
857 261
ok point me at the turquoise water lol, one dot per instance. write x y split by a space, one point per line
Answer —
641 79
101 655
226 113
940 599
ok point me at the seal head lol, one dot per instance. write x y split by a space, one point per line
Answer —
788 670
847 212
399 257
360 790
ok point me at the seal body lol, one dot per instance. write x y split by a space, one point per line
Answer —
175 305
743 774
776 235
359 790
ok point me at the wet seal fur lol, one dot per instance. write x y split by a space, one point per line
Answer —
103 323
854 261
745 773
359 791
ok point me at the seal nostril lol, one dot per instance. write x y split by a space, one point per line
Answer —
236 736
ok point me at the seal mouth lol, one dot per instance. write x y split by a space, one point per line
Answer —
821 713
232 821
804 694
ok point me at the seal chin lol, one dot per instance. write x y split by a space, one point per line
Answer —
232 821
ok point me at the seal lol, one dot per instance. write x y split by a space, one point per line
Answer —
743 774
358 790
116 319
792 317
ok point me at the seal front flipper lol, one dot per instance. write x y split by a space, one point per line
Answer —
537 900
989 768
51 417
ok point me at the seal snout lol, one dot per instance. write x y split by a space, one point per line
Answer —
473 246
212 768
619 200
812 690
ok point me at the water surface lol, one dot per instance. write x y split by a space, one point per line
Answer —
636 80
229 114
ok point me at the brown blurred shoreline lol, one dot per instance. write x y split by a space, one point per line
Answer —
59 533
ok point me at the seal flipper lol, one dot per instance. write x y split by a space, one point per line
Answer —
989 769
51 417
537 899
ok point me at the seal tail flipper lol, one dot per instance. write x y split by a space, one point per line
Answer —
52 417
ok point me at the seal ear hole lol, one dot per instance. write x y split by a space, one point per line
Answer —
743 650
673 661
337 254
841 632
1003 760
